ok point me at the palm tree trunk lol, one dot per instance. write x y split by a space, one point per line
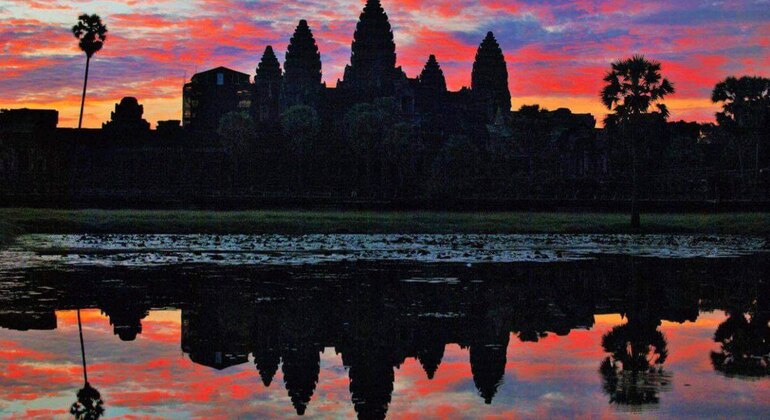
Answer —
635 217
83 100
82 349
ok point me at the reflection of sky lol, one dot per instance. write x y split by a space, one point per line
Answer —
557 50
557 376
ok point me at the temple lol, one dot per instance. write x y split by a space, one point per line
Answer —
280 136
371 74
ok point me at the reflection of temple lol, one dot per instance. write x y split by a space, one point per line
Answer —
23 320
375 321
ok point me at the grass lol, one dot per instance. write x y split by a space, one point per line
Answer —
18 221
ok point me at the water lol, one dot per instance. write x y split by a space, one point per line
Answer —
387 325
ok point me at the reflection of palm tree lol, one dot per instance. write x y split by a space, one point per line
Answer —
633 372
89 404
745 342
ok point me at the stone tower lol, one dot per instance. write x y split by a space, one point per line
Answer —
489 80
127 117
372 70
267 88
302 77
432 77
432 88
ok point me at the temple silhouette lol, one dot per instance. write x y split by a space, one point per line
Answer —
379 138
375 320
371 74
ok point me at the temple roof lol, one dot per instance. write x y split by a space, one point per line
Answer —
303 61
268 67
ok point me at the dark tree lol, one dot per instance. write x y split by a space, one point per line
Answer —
455 169
489 80
238 133
633 373
402 149
300 125
92 34
745 116
89 404
366 126
745 344
634 87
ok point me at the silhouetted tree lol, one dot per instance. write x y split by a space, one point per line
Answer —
633 373
89 404
745 344
366 125
300 125
238 133
401 150
634 86
92 34
455 168
745 115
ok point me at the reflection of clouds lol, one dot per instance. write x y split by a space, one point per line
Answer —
555 377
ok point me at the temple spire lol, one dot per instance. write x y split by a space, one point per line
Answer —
268 69
266 102
432 77
489 80
302 78
373 57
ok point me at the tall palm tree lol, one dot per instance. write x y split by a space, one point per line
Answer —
92 34
89 404
634 87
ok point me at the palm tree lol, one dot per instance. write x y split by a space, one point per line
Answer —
89 404
92 35
634 86
745 113
633 372
745 344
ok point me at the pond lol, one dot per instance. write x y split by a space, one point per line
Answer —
375 326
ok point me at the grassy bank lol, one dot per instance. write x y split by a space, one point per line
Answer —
15 221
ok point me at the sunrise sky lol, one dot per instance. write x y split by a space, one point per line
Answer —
557 51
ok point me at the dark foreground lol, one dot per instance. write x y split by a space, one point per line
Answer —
590 337
14 221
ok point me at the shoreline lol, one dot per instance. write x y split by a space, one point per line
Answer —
18 221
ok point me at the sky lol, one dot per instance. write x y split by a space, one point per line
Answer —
557 51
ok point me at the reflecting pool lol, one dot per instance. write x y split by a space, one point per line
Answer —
504 326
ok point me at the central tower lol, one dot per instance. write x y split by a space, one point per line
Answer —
372 70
